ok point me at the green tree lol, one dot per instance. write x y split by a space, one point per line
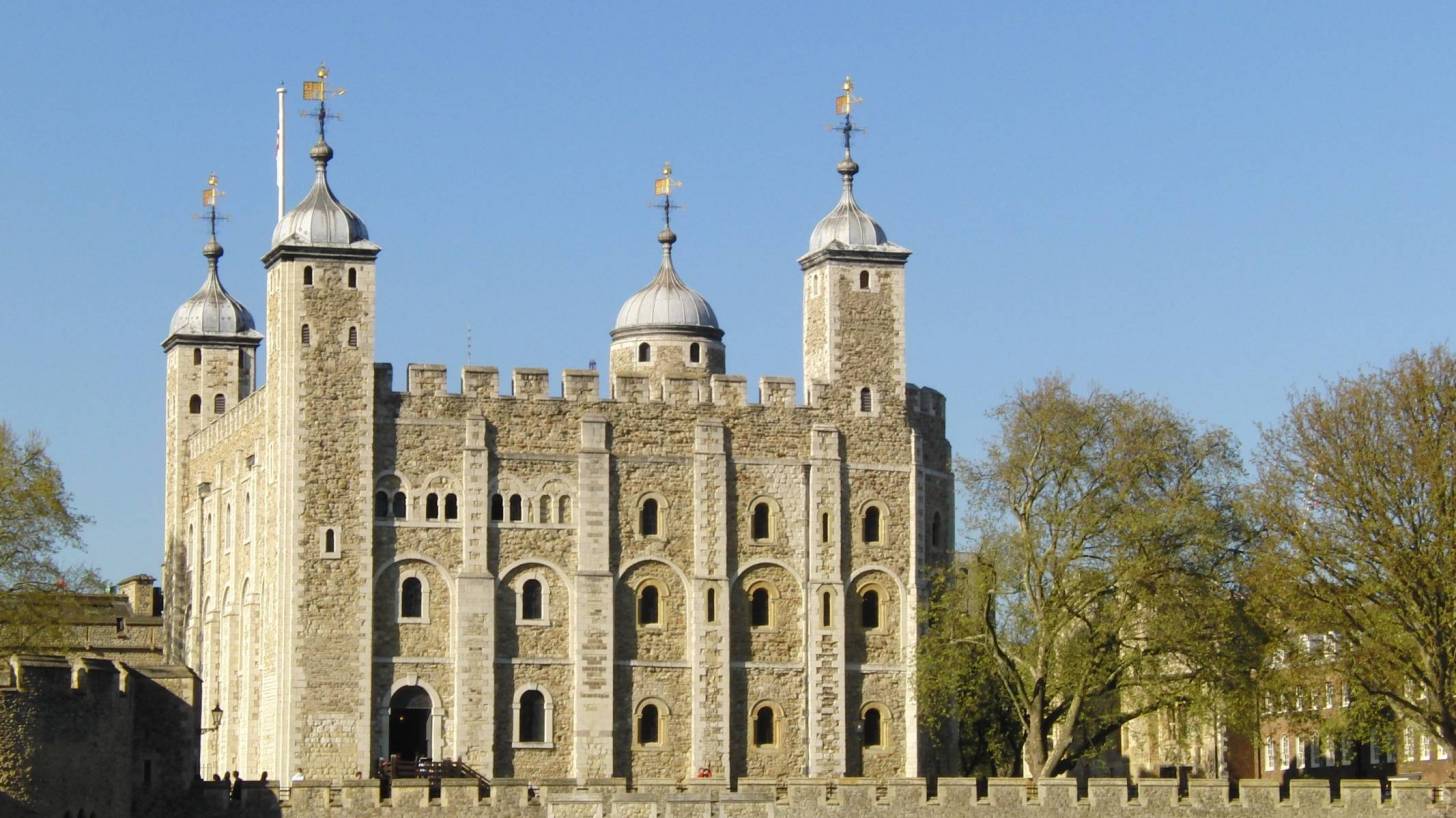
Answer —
37 522
1107 567
1356 497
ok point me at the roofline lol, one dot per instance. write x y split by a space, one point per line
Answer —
684 330
839 251
359 250
219 340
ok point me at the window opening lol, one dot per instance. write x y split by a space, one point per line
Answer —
194 406
864 279
219 403
197 357
935 530
824 527
649 517
532 724
872 736
866 400
308 276
411 598
497 507
401 506
381 504
695 353
758 604
712 605
545 508
304 334
644 352
329 541
531 600
563 509
353 277
825 610
872 524
515 508
763 727
432 506
353 336
452 507
869 609
760 521
647 732
647 613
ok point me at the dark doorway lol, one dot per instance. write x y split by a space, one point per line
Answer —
409 723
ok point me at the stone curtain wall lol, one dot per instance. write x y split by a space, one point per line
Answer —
810 798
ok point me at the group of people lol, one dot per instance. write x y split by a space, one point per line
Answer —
234 781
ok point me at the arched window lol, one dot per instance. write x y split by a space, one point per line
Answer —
563 509
381 504
353 336
712 605
194 406
935 530
872 737
866 400
308 276
411 598
648 520
826 610
760 521
531 600
497 507
515 508
758 604
644 352
870 531
647 724
869 609
763 727
545 508
219 403
695 353
304 335
353 277
531 726
329 545
864 279
452 507
197 357
647 613
401 506
432 506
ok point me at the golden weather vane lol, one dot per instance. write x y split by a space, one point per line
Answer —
844 106
664 186
319 91
210 196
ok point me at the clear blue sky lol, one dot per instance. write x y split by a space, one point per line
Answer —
1212 203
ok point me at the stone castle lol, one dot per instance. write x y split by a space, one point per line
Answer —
671 581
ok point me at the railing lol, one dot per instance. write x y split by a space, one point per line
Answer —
397 767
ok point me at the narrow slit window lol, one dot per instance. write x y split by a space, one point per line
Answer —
935 530
329 545
515 508
411 598
197 357
647 605
866 400
531 600
432 506
824 527
869 610
401 505
353 336
871 528
649 518
304 335
452 507
308 276
353 278
712 605
497 507
758 608
826 616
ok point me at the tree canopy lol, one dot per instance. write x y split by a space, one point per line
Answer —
37 522
1104 574
1356 496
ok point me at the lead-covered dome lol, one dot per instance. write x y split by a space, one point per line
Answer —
667 304
212 311
320 218
847 224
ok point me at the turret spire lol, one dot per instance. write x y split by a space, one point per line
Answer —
212 312
847 224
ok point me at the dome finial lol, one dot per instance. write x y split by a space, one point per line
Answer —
663 187
844 106
319 91
212 251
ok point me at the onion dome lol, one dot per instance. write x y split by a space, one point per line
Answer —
212 312
320 219
847 223
667 304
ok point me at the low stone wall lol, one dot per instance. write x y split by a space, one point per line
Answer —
805 798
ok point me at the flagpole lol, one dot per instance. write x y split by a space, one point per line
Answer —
282 89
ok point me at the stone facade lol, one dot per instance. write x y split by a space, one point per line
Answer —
670 582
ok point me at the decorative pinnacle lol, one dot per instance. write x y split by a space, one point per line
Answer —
319 91
844 106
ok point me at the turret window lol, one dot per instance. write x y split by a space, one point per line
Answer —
695 353
497 507
531 718
712 605
197 357
194 406
515 508
871 728
870 527
647 726
764 732
869 610
866 400
647 519
330 545
531 607
411 598
452 507
760 527
381 504
353 278
219 403
864 279
353 336
305 335
432 506
644 352
563 509
647 605
308 276
401 505
759 615
545 508
826 610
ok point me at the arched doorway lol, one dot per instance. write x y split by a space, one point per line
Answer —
409 723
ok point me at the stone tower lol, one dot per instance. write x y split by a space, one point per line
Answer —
321 324
211 350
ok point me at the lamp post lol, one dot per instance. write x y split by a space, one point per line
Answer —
216 713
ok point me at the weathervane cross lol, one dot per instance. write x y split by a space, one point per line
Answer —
210 195
663 186
319 91
844 106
